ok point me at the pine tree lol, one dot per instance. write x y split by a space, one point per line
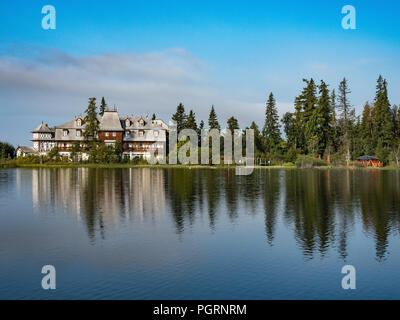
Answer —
233 124
271 131
103 106
153 117
212 120
180 117
91 121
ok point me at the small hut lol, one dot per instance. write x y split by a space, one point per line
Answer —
368 161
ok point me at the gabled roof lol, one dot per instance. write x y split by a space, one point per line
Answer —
72 124
110 121
43 128
148 124
26 149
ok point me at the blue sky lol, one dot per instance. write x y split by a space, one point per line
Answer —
147 56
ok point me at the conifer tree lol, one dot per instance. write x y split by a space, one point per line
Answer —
91 121
191 121
271 130
233 124
258 141
103 106
212 120
381 117
180 117
366 130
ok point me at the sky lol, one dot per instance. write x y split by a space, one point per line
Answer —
145 57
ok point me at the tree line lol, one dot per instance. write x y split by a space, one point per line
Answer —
323 124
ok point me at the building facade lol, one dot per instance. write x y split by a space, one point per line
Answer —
139 137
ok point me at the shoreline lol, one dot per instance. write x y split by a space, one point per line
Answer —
179 166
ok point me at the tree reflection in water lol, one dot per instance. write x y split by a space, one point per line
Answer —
321 206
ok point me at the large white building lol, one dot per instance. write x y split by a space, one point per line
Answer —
138 136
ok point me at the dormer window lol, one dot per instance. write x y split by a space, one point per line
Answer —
78 133
127 123
79 122
65 133
141 123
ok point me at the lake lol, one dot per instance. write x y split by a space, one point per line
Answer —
141 233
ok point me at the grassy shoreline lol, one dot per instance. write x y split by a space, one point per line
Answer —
175 166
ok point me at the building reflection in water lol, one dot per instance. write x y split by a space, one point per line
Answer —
100 197
322 207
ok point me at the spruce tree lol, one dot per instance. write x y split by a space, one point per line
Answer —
381 117
324 117
91 121
346 118
212 120
271 130
153 117
180 117
191 121
103 106
366 130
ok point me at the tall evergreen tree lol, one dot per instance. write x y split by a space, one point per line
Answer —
271 130
324 116
343 100
306 119
91 121
381 116
346 120
153 117
191 121
180 117
366 130
212 120
103 106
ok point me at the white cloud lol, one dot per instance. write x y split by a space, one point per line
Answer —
54 86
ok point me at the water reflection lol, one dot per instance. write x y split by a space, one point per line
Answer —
321 207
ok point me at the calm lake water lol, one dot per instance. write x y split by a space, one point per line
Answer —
199 234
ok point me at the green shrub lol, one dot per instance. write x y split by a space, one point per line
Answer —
306 161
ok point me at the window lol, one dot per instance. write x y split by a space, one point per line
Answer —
156 133
126 133
65 133
78 133
141 133
127 123
114 134
79 122
106 134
